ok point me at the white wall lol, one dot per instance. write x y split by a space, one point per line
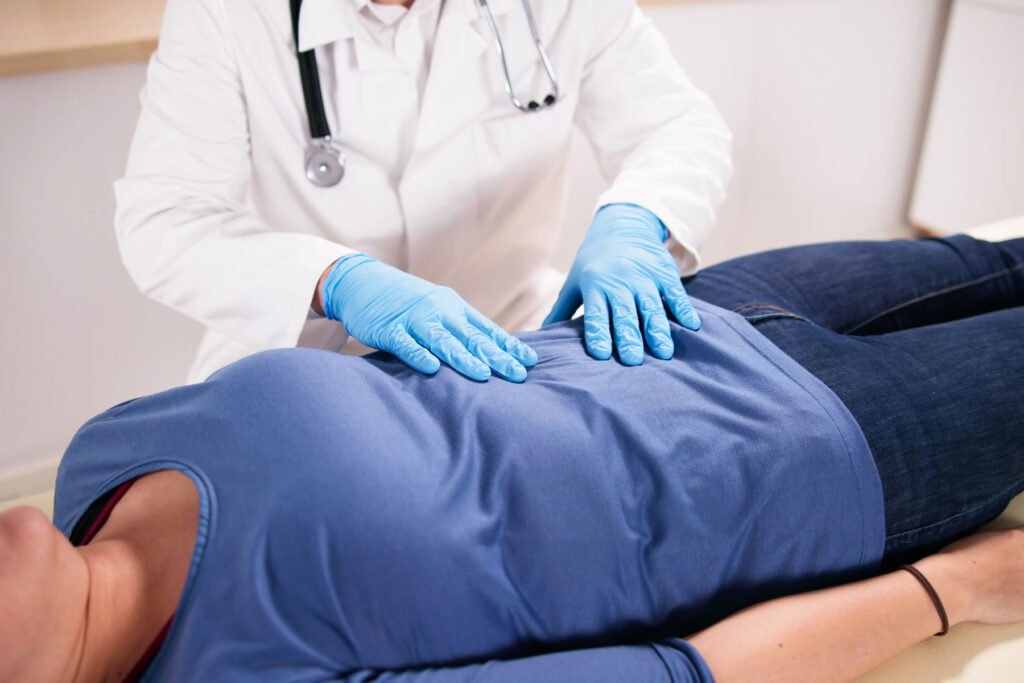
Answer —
77 337
826 99
972 163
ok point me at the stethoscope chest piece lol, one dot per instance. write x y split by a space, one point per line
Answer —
325 165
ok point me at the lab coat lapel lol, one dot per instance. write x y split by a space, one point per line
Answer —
371 58
454 94
322 22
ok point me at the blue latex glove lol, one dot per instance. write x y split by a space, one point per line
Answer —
388 309
623 266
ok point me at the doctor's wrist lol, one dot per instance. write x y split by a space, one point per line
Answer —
332 291
323 296
317 304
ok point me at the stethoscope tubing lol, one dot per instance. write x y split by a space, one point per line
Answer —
309 74
325 163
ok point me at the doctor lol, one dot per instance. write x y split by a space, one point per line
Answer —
442 192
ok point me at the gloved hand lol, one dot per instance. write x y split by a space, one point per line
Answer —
393 311
623 265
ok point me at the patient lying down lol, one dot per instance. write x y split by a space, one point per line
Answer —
308 516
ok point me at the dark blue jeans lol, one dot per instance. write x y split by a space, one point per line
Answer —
924 343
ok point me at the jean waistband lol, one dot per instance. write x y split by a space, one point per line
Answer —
756 313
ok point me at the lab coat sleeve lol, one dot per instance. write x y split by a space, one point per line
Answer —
186 234
661 140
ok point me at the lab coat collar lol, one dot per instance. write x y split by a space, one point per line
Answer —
470 10
325 21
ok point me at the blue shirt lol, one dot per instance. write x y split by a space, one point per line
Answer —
357 517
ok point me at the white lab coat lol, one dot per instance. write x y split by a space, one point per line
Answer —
216 219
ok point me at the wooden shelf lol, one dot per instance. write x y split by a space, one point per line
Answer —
44 35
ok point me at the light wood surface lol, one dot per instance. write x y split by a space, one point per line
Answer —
44 35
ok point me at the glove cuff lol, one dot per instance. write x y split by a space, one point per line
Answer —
329 296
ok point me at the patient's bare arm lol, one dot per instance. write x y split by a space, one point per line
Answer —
89 613
840 633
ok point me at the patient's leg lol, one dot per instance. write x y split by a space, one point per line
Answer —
871 287
942 408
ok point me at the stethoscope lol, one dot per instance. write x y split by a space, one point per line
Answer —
325 163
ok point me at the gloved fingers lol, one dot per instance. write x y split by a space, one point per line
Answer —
482 347
407 350
596 329
656 330
448 348
678 302
626 327
568 301
509 343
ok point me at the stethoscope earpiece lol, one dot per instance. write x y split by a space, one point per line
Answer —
532 105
